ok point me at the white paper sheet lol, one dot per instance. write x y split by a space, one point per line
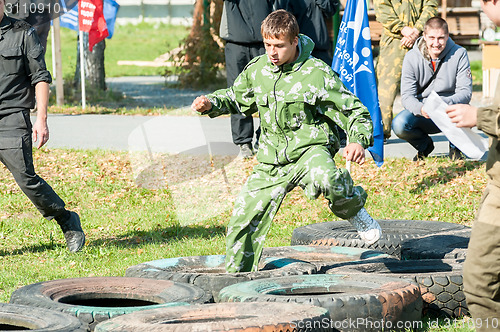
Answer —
469 142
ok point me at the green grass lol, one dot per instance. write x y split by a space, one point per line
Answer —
141 42
128 222
476 68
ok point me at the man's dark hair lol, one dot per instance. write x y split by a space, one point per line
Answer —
436 23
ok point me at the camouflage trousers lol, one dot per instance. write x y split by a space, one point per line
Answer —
389 65
481 276
261 196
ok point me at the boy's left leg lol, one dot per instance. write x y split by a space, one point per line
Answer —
346 201
253 212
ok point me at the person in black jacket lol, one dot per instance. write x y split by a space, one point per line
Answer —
311 16
36 13
23 76
240 28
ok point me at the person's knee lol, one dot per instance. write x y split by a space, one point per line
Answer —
401 124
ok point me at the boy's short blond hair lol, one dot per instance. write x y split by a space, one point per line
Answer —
279 24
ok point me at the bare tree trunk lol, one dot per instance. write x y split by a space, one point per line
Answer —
94 64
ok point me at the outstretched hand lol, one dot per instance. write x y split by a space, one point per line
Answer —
354 152
201 104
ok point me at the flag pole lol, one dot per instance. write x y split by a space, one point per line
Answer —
82 69
52 45
56 56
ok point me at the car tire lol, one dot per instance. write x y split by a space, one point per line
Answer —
216 317
440 282
355 302
93 300
342 233
208 272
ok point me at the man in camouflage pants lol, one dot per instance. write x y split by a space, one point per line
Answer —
298 98
403 21
482 265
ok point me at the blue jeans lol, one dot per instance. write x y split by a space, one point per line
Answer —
415 130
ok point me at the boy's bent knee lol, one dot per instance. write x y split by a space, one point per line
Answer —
347 206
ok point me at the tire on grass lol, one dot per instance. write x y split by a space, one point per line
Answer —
214 317
93 300
20 317
440 281
209 273
439 246
357 302
342 233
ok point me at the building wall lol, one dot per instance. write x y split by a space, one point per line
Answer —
179 12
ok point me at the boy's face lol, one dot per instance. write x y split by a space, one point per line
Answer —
492 9
435 40
281 51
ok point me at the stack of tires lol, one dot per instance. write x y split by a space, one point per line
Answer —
327 280
429 252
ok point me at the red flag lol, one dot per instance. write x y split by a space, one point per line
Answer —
91 20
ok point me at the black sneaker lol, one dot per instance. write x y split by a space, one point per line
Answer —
73 232
423 154
246 150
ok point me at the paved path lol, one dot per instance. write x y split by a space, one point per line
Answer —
172 134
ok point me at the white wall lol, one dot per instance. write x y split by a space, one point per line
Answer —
165 11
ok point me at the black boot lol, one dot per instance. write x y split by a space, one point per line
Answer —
73 232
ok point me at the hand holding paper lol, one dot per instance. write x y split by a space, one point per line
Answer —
469 142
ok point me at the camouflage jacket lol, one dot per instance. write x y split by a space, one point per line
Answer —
297 103
396 14
488 120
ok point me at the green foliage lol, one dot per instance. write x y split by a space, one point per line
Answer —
201 57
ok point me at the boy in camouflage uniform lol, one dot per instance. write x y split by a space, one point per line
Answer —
297 97
403 21
482 265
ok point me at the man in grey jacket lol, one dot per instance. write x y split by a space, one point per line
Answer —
435 63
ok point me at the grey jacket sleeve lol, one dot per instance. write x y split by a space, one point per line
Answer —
463 87
409 85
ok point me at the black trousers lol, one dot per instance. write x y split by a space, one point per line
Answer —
237 57
16 154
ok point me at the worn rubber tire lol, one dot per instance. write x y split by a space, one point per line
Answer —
21 317
440 246
93 300
215 317
208 272
342 233
440 281
324 257
349 299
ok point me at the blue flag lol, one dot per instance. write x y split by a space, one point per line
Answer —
110 10
353 61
